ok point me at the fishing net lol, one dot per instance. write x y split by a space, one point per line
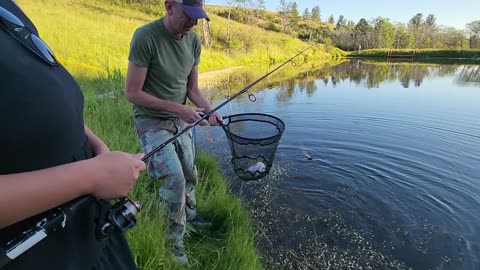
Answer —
253 140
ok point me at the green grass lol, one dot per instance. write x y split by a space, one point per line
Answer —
87 35
230 245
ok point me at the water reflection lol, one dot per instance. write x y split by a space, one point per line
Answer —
469 74
372 74
368 74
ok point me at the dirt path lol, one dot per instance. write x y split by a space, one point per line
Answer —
214 76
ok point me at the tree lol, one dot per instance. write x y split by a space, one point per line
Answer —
424 31
207 36
416 21
238 3
453 38
403 38
414 26
363 32
429 29
473 29
344 38
294 13
315 21
306 14
316 14
284 10
341 22
231 4
350 25
384 33
331 19
430 21
362 27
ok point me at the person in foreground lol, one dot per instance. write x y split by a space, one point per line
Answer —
162 74
49 157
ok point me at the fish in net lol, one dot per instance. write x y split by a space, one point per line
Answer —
253 140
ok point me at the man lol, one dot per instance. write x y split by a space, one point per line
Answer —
162 74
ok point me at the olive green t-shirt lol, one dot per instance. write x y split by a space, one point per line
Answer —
169 62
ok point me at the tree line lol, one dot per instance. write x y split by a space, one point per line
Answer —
419 32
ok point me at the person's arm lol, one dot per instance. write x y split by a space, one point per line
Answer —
134 92
98 146
197 98
108 176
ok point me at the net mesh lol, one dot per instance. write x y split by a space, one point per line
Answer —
253 140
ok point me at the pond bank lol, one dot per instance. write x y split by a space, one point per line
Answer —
473 54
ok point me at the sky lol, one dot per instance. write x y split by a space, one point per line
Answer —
455 13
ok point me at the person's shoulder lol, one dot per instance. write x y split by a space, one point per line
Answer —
194 37
148 29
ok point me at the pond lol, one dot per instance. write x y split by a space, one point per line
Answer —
378 166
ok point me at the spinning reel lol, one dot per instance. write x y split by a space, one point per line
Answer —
120 217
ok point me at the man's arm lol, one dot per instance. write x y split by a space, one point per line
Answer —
134 92
197 98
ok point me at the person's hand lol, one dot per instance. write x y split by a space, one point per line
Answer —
118 172
215 119
191 115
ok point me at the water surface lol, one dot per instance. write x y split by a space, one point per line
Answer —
378 167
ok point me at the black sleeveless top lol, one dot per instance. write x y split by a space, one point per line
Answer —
41 118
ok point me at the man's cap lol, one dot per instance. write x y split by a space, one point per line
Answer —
194 9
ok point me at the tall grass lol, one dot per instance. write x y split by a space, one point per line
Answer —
230 245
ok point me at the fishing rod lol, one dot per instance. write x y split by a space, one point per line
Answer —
207 115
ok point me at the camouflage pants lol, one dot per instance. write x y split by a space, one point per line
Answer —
174 164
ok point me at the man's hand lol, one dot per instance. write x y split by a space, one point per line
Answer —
191 115
215 119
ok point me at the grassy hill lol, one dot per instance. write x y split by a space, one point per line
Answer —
91 36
